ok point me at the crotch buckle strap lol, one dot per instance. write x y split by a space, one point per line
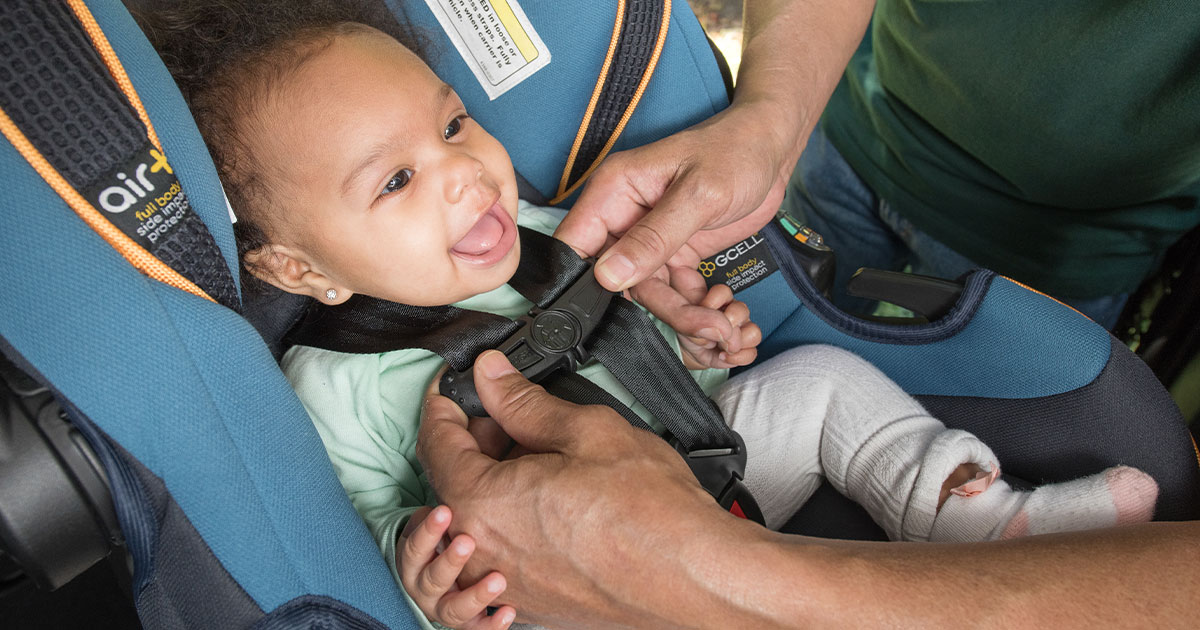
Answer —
720 471
547 339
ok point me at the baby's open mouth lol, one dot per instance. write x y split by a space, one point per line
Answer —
489 240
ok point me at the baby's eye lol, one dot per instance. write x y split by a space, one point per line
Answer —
398 181
454 127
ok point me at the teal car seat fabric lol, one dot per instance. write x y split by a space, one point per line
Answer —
1054 394
227 502
536 120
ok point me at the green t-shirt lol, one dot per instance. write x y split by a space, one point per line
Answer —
1057 142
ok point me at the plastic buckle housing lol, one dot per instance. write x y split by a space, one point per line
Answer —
547 340
720 472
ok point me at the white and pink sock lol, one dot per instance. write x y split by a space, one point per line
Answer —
1116 496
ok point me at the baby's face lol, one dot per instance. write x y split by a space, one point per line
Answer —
387 187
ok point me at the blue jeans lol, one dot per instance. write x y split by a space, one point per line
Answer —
865 231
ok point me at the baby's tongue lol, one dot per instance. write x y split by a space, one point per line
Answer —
482 237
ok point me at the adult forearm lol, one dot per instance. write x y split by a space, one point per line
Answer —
1136 576
793 54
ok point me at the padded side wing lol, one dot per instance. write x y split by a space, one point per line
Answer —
220 479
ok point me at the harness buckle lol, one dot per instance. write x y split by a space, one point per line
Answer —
720 472
547 339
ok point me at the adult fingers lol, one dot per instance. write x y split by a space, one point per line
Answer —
607 207
447 450
689 283
629 196
492 439
656 237
530 415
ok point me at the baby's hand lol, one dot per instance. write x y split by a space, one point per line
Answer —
738 348
429 572
714 329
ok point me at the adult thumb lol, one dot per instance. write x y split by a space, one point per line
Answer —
526 412
650 242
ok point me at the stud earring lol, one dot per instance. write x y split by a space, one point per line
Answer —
331 294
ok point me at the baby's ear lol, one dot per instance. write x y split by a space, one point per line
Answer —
288 269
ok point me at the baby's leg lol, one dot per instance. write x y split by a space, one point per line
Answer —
879 447
766 407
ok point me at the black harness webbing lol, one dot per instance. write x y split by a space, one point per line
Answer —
626 342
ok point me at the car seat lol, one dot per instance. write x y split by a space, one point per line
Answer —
223 494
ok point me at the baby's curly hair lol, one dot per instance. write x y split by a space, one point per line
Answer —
226 55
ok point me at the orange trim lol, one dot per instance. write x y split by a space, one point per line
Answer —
100 43
637 96
1029 288
1195 448
137 255
591 108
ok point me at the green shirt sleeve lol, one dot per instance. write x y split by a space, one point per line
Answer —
363 408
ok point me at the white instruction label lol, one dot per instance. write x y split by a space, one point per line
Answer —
495 39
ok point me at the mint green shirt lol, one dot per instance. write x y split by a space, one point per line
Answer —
367 408
1057 142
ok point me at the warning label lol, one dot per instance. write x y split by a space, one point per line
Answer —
740 266
495 39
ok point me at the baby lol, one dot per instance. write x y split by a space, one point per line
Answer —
354 169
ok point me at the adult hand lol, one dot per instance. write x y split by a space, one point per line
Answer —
684 197
582 525
691 194
677 201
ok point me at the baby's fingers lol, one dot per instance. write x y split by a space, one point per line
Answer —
421 541
738 315
438 577
717 296
749 335
467 609
499 620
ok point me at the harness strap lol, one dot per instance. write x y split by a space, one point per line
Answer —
572 387
365 324
655 376
626 342
70 110
639 32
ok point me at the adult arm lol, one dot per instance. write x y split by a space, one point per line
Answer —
604 526
722 179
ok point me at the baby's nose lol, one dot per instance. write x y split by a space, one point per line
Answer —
464 172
